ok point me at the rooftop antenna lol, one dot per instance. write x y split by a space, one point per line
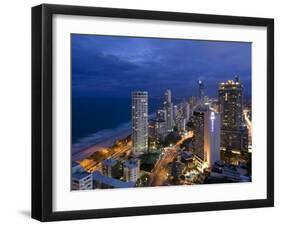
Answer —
237 79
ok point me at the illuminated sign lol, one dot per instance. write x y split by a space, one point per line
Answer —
212 117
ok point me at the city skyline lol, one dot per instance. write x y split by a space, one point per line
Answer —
200 138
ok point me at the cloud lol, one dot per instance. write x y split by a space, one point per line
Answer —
114 66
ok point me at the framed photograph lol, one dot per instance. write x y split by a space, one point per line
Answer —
145 112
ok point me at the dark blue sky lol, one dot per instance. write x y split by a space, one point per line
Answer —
112 66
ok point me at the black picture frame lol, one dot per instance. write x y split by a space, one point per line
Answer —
42 196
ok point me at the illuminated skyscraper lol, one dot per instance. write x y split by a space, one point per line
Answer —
161 115
186 111
168 96
212 133
230 106
168 106
140 122
206 136
192 100
198 135
201 89
175 113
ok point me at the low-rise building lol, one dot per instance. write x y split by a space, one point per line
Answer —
102 181
81 181
132 170
108 167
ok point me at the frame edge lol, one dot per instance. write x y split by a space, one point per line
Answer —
42 109
36 164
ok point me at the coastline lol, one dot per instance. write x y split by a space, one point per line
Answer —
92 148
103 139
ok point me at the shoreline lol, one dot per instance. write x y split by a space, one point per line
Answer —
91 149
123 130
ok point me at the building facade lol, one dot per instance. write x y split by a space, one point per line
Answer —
201 90
230 97
192 100
161 115
140 122
81 181
158 129
206 137
108 167
212 133
198 135
132 170
168 107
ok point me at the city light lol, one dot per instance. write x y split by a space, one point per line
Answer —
183 144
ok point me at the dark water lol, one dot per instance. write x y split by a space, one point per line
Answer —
95 119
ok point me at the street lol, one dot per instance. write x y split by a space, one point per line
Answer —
159 173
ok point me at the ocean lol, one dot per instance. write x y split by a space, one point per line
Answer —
95 120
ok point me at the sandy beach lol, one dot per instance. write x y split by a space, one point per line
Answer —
88 151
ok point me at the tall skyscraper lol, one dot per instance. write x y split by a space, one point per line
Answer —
230 106
192 100
157 129
168 96
161 115
182 124
198 135
201 89
175 112
207 136
140 122
212 133
186 111
168 106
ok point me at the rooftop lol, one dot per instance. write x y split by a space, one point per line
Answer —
230 83
109 162
187 154
132 163
73 164
97 176
80 175
145 93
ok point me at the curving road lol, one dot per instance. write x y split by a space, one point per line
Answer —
159 173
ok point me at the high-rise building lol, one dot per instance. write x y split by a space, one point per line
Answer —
186 111
175 113
108 167
132 170
192 103
158 129
181 124
230 106
212 133
201 89
206 136
140 122
168 96
198 135
168 107
161 115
